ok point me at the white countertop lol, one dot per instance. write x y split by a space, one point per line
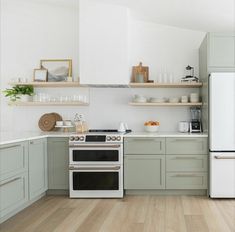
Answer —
165 134
13 137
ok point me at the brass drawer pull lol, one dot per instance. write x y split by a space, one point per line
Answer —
186 175
186 158
8 182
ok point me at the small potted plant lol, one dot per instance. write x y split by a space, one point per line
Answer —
23 93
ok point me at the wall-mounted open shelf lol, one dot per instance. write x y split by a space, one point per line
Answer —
165 104
18 103
167 85
131 85
48 84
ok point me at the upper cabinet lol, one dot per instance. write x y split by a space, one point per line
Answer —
222 50
103 43
217 53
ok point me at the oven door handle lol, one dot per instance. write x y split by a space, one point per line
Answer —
95 168
94 146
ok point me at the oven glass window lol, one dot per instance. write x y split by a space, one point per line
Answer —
95 181
95 155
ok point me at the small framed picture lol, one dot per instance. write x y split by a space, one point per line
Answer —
40 75
58 70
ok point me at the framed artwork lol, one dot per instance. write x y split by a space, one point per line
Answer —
40 75
57 70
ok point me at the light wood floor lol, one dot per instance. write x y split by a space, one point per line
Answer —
133 214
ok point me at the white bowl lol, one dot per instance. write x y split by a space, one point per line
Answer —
174 100
59 123
151 128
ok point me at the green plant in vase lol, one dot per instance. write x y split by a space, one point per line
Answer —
19 92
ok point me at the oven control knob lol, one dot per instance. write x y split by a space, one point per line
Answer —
76 138
108 138
71 138
119 138
81 138
113 138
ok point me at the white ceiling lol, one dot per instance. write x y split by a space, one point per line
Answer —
202 15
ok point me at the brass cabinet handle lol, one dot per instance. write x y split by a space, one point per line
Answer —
186 158
17 178
185 175
224 157
18 145
187 140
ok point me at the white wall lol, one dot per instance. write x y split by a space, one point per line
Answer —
103 43
164 48
33 30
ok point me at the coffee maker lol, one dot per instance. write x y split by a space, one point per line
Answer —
195 124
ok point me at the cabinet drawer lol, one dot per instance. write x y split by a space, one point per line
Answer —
13 193
175 146
13 159
186 163
144 146
186 180
144 172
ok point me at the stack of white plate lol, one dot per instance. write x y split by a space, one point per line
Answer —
139 99
174 100
157 100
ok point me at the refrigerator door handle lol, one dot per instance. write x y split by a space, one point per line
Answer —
224 157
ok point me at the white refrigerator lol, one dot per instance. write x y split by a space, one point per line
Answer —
222 135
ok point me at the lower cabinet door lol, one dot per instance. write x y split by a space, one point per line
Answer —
13 193
186 180
58 163
13 159
144 172
37 167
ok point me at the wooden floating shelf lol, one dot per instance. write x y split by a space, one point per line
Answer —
165 104
18 103
48 84
166 85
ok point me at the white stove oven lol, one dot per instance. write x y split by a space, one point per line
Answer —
96 165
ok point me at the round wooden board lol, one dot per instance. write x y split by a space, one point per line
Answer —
47 122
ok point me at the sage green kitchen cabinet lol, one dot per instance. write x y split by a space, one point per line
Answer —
13 193
143 145
186 146
186 163
221 50
189 180
13 159
13 177
58 163
38 172
144 172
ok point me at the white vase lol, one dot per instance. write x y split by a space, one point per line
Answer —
25 98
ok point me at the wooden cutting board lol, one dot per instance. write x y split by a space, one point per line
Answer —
47 122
